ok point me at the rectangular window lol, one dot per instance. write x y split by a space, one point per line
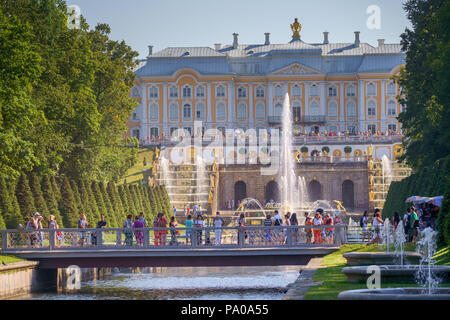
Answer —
314 91
189 130
392 127
200 92
372 128
154 132
172 130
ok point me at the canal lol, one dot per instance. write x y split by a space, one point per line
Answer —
187 283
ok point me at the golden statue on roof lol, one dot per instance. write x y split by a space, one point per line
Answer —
296 27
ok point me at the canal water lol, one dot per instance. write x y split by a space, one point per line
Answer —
187 283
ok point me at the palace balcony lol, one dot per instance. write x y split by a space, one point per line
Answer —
300 120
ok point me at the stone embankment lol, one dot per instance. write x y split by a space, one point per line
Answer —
297 289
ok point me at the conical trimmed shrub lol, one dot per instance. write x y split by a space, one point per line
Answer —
68 206
25 198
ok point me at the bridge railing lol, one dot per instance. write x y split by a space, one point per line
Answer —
182 238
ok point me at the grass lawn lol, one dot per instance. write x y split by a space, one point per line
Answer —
442 257
334 281
135 173
5 259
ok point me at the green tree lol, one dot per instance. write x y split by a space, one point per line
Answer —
7 211
20 67
90 197
100 202
39 201
68 206
50 199
108 205
425 82
25 198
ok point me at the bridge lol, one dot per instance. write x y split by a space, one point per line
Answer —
170 247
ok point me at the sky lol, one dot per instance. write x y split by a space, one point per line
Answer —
198 23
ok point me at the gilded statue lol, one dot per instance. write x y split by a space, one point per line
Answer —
371 195
296 27
298 156
157 153
370 151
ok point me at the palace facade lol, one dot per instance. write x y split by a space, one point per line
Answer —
336 89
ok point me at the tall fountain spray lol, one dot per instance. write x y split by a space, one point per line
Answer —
165 170
288 179
387 170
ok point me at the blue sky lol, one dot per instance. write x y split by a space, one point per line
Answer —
172 23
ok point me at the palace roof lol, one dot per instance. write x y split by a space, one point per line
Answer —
260 59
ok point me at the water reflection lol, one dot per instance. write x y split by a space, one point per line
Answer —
193 283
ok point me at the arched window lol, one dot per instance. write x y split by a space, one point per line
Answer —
173 111
314 108
220 91
187 111
187 92
296 111
392 89
351 109
173 92
154 93
332 91
242 92
371 89
392 108
200 111
154 111
278 110
200 92
278 91
332 109
242 111
314 91
260 92
351 91
296 91
221 111
260 111
371 108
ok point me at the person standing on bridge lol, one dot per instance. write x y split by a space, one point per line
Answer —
317 232
127 225
199 223
141 217
268 223
138 234
188 224
294 222
82 224
162 223
309 233
218 225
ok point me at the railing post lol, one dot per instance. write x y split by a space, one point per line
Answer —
99 238
119 238
194 237
4 240
289 237
51 239
146 238
240 238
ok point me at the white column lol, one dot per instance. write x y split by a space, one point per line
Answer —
250 107
307 98
383 106
342 107
323 99
362 109
208 105
165 109
231 103
270 99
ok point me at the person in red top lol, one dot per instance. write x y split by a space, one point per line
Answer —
162 223
329 231
308 222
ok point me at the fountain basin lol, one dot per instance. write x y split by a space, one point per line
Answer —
380 258
395 294
406 273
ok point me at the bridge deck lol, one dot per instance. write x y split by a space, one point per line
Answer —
166 257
